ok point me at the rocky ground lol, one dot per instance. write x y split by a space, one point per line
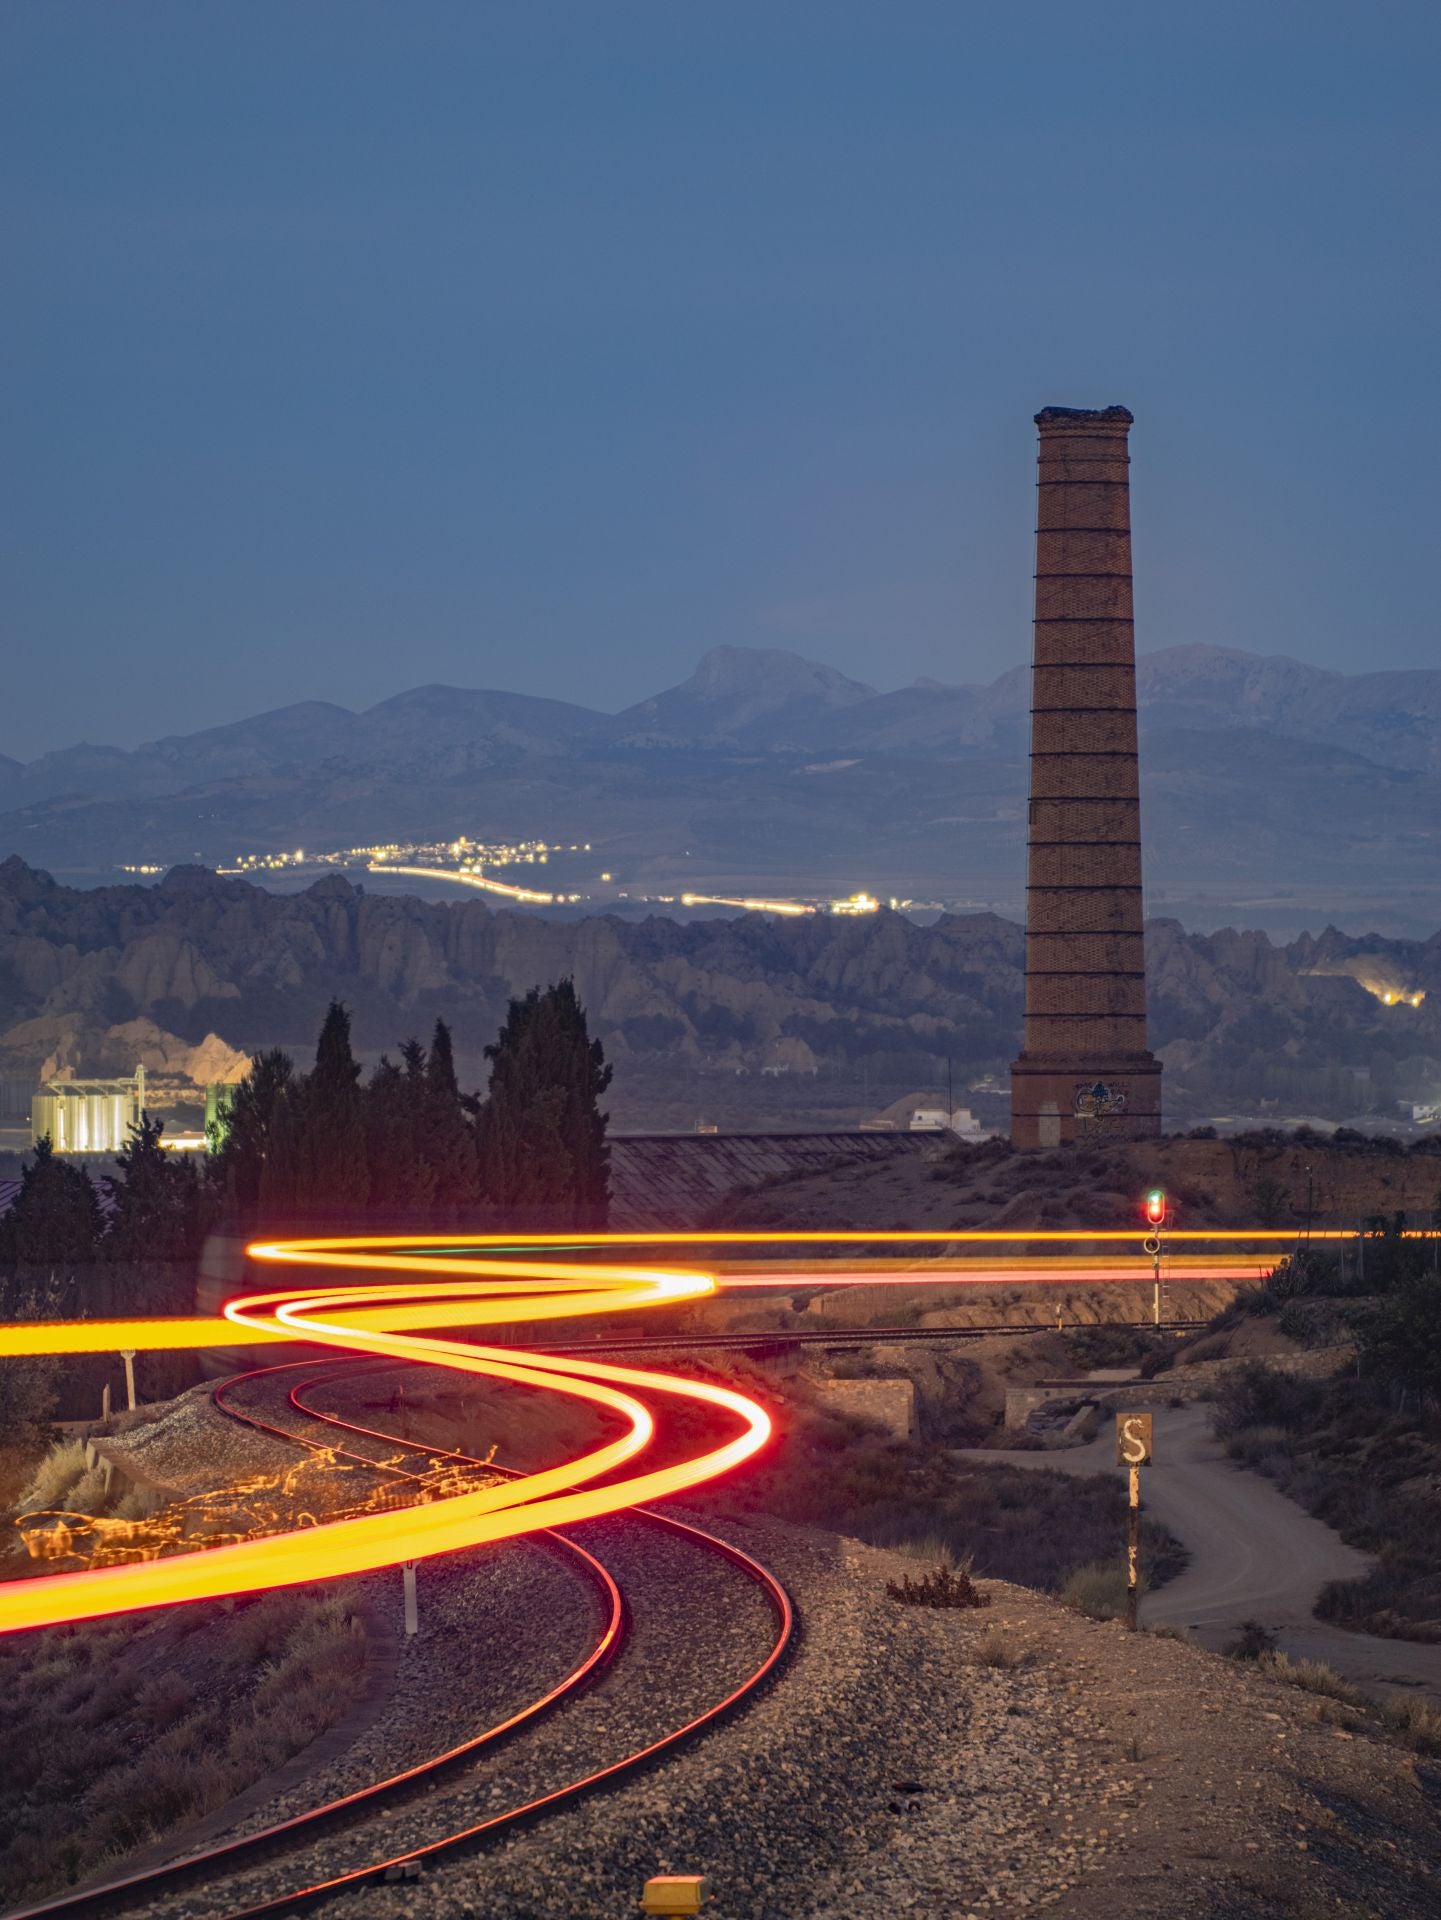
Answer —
989 1762
1245 1181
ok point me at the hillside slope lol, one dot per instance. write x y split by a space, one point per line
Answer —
1235 1017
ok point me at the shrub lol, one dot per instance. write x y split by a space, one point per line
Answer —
1211 1346
1256 1396
1108 1344
943 1587
1099 1589
1416 1722
1401 1339
1311 1676
1295 1322
1259 1302
1251 1642
53 1478
998 1649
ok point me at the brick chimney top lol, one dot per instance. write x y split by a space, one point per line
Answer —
1108 416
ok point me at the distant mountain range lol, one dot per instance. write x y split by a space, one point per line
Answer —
1275 794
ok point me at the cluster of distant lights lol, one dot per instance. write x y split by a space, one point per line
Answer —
855 903
471 863
1388 993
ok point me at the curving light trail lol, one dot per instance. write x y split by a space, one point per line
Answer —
381 1320
477 1282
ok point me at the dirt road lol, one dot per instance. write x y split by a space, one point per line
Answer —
1255 1555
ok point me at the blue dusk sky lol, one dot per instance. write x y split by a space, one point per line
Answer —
346 347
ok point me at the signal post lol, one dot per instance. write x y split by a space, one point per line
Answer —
1133 1451
1158 1218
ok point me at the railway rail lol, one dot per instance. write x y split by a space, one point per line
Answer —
269 1852
386 1299
844 1337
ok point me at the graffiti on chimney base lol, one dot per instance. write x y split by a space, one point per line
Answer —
1096 1099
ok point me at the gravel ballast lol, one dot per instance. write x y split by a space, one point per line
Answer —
891 1769
658 1680
987 1762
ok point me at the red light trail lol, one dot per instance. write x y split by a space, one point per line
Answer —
466 1282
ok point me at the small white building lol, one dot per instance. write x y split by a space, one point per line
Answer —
936 1120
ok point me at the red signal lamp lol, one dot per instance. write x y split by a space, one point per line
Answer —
1155 1208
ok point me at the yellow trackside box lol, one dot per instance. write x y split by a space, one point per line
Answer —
675 1893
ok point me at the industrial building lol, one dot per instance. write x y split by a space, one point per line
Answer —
87 1116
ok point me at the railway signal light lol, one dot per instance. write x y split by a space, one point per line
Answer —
1155 1208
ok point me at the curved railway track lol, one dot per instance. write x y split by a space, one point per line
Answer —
391 1299
230 1878
848 1337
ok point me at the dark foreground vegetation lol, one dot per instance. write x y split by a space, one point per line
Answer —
118 1735
293 1144
830 1469
405 1149
1361 1449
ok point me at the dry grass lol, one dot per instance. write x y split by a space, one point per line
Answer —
139 1503
1415 1722
1311 1676
1098 1590
997 1648
57 1472
119 1735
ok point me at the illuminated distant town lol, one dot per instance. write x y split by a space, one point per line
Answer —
490 867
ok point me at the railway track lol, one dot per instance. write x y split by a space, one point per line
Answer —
692 1626
840 1337
470 1795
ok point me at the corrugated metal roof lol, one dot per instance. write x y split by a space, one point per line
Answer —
677 1180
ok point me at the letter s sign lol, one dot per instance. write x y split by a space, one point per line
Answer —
1133 1439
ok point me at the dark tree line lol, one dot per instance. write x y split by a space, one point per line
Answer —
325 1143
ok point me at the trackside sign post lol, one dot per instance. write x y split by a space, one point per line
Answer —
1133 1451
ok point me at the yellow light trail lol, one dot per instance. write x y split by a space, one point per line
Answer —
375 1320
487 1285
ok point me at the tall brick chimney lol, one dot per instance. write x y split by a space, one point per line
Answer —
1084 1070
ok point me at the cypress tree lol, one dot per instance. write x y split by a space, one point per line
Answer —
400 1175
55 1218
447 1143
245 1144
541 1133
157 1203
332 1169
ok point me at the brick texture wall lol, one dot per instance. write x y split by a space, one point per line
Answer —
1084 1068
